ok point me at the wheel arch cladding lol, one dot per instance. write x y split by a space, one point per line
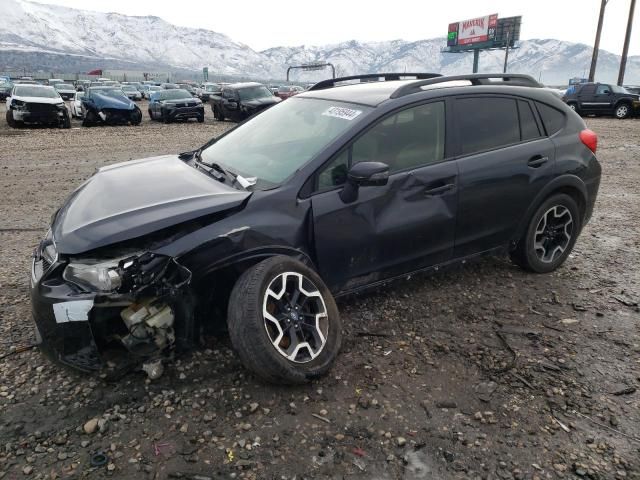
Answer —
567 184
214 287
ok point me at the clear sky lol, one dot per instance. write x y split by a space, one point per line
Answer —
263 24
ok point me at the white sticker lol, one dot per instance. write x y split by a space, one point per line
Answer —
76 311
341 112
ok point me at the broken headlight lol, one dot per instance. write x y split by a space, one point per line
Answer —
103 277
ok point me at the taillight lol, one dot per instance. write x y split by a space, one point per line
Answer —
590 139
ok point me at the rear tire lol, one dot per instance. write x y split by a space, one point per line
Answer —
622 111
280 335
550 236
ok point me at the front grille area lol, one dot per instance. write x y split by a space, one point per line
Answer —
41 108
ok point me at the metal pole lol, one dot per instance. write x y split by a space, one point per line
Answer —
506 53
476 60
596 45
627 39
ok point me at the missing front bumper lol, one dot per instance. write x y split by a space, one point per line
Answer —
90 331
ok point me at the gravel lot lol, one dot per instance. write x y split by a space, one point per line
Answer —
481 372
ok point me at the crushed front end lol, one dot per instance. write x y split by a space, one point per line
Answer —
92 313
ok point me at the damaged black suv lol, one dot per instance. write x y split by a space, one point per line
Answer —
340 188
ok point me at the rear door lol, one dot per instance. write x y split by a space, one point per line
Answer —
504 161
396 228
587 98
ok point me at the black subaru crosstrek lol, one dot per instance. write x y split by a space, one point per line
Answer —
340 188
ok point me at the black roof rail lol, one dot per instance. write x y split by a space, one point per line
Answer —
331 82
510 79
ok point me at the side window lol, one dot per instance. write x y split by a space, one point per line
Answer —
552 119
408 139
485 123
528 126
588 90
603 89
411 138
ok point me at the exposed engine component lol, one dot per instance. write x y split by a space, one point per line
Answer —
150 326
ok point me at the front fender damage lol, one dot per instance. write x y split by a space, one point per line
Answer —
143 322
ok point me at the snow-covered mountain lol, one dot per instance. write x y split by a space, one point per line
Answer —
35 36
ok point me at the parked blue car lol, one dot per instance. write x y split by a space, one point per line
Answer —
109 105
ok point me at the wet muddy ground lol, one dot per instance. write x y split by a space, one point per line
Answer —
480 372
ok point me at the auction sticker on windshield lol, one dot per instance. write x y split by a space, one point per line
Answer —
342 112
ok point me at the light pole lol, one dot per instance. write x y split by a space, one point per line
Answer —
627 39
596 45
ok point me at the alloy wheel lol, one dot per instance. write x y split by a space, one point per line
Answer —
295 317
553 233
622 111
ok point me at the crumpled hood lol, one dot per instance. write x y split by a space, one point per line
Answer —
107 101
131 199
259 102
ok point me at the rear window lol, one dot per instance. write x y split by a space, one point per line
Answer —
528 126
552 118
485 123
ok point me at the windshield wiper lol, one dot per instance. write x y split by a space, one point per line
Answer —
233 178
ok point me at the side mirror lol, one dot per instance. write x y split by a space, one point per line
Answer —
364 174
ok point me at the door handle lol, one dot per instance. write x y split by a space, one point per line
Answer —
537 161
439 190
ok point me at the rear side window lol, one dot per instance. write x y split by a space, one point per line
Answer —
552 118
528 126
485 123
588 90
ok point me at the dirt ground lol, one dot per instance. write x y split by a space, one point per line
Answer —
481 372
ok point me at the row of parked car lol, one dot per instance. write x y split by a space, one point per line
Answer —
110 102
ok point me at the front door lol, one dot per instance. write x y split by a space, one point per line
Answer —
396 228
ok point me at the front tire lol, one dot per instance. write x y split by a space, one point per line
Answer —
136 117
622 111
283 322
66 121
10 120
550 236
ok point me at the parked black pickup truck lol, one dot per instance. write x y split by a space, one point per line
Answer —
602 99
240 101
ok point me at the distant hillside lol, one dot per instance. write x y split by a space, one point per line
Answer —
49 37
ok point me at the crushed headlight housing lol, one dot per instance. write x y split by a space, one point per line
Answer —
99 276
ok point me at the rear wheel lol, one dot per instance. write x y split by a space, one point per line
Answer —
550 236
622 111
284 322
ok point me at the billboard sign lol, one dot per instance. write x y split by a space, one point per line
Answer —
472 31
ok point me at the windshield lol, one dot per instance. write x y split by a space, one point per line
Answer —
112 92
28 91
174 94
254 93
129 88
280 140
63 86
